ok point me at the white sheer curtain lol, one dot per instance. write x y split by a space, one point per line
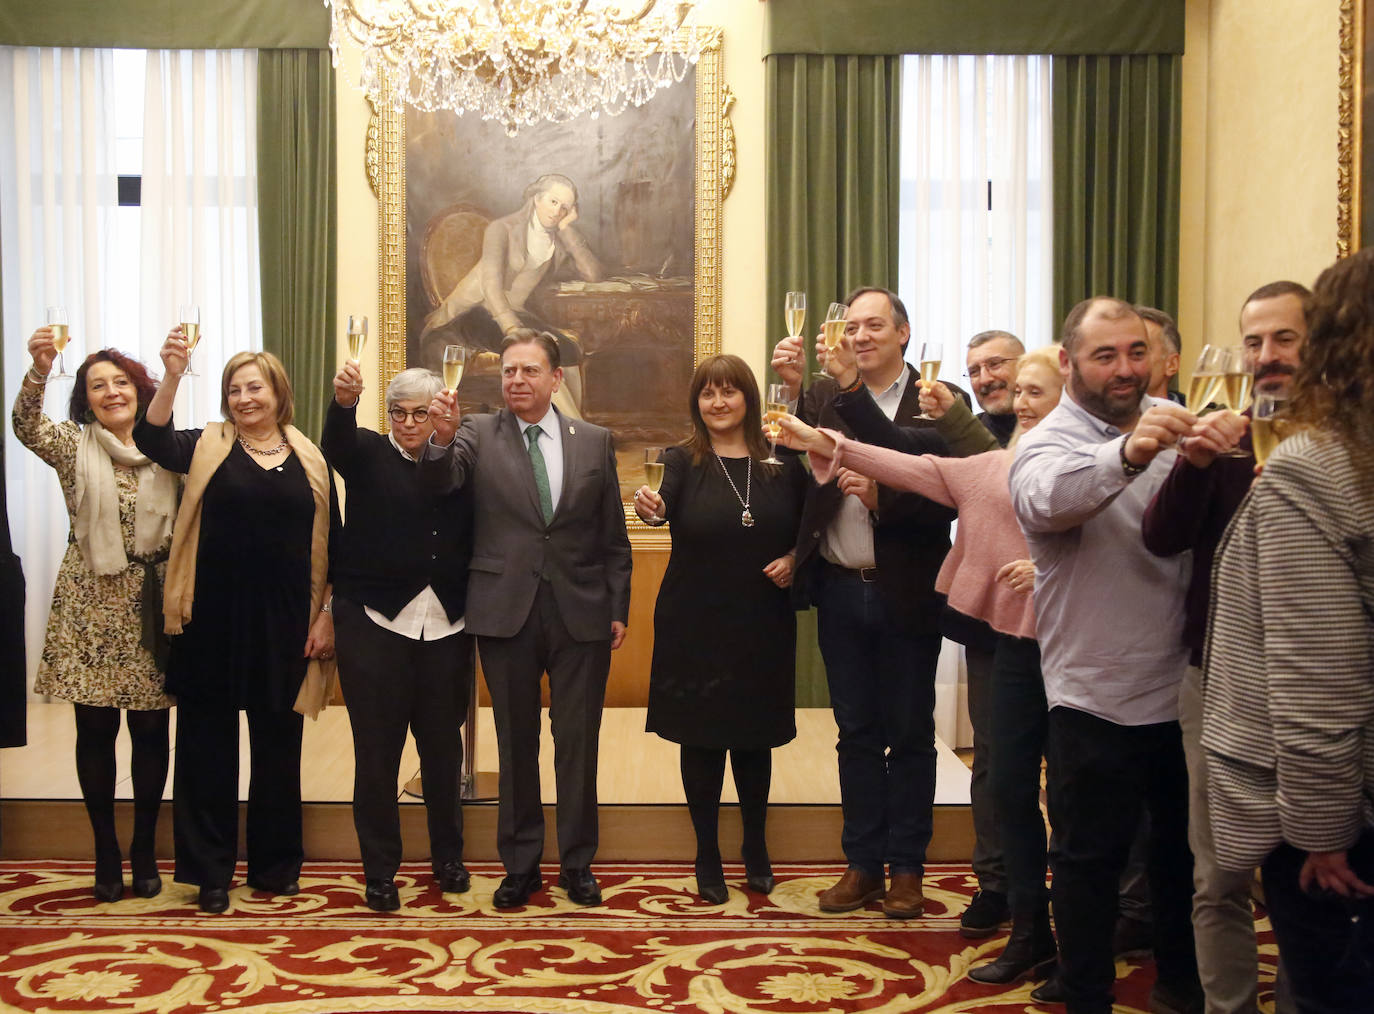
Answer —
974 250
200 212
57 204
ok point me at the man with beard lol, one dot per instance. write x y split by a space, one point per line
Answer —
1110 619
991 365
1191 512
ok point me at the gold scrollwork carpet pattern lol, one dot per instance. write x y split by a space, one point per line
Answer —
653 946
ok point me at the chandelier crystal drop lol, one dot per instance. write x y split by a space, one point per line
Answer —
518 62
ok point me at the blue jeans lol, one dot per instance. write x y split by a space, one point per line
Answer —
1327 942
882 690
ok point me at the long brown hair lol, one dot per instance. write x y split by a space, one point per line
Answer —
725 371
1334 386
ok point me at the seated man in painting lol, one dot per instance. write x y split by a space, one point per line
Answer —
520 251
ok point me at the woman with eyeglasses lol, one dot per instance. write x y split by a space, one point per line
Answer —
400 583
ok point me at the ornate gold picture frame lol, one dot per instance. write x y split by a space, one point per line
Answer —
1355 151
422 247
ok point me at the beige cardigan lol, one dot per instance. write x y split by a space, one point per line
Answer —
216 441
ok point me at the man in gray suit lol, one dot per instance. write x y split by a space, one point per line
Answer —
548 590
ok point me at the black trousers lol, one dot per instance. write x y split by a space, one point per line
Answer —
205 801
577 690
392 683
1100 775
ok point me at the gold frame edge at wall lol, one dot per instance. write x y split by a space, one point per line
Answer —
715 173
1350 127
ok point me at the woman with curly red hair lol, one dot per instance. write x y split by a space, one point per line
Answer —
104 649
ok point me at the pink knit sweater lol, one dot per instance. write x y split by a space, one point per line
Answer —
987 537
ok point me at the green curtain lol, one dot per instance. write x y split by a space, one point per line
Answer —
166 24
831 199
1117 128
297 211
973 26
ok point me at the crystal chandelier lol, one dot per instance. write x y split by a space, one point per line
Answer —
518 61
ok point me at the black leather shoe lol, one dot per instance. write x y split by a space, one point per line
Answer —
516 888
213 900
711 881
1030 949
581 886
382 896
112 891
453 877
763 883
984 915
758 871
147 887
1050 991
286 889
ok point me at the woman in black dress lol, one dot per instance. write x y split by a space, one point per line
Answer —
724 666
246 601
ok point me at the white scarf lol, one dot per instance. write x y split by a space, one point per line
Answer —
98 534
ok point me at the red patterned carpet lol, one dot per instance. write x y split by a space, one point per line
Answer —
653 946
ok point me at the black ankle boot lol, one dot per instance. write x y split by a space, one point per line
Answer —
1031 947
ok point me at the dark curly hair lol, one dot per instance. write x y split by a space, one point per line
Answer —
79 409
1334 386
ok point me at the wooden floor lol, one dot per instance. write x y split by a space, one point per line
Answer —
642 807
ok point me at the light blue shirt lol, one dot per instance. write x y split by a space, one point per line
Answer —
1108 612
551 446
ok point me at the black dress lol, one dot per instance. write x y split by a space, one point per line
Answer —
244 645
724 668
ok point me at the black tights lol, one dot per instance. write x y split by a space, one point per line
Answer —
703 774
96 729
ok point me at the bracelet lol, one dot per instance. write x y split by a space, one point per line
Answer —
328 606
852 388
1131 469
38 378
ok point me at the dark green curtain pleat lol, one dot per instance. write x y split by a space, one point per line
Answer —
1117 129
296 221
165 24
831 191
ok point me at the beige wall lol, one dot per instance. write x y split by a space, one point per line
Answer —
742 226
1259 154
1258 180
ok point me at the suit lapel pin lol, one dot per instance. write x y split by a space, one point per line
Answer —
572 430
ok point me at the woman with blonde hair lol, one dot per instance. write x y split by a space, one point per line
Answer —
988 576
247 605
103 651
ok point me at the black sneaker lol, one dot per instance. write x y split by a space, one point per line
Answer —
985 914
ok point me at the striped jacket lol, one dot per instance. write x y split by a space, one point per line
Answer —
1288 716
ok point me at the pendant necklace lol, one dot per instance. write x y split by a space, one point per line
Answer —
746 519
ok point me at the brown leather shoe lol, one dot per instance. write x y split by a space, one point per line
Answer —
904 900
854 890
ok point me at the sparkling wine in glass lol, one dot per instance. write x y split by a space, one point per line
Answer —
653 468
57 322
774 409
1207 378
1264 428
795 313
455 358
932 355
357 337
190 327
832 331
1238 379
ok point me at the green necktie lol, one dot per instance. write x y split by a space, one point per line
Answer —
541 473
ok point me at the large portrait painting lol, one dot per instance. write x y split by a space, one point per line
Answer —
603 232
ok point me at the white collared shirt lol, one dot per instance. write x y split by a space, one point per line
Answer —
423 618
551 446
538 243
848 541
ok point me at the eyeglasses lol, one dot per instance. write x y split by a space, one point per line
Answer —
995 363
398 415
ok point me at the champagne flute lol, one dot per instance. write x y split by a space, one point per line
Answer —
189 316
1207 378
1238 379
833 331
795 313
932 355
357 337
57 322
775 409
455 358
1264 428
653 468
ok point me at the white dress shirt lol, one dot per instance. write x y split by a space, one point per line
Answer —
538 243
423 618
551 446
